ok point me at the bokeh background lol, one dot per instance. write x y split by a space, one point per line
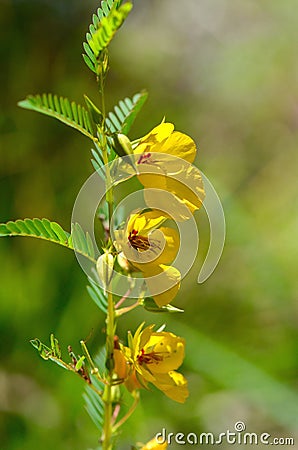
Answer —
225 73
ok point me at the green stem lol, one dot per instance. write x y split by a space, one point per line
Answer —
110 332
109 191
110 319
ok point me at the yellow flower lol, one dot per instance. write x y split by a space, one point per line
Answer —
157 168
163 139
153 357
155 445
150 248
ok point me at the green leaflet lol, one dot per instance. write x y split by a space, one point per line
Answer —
73 115
53 353
79 363
93 110
98 296
121 119
105 23
93 402
78 240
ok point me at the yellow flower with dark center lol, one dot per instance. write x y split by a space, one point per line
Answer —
153 357
157 168
150 248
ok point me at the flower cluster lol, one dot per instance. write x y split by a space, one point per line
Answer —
147 245
152 357
173 189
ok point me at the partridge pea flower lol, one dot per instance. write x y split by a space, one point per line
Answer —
164 163
150 248
153 357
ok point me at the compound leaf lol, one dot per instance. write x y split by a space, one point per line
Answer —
73 115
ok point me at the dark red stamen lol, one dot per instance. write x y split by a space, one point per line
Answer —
148 358
143 159
138 242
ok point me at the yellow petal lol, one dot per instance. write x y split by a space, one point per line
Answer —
136 339
144 375
171 248
145 336
186 186
170 205
190 190
169 347
181 145
163 139
152 175
132 383
155 445
144 222
164 288
173 385
155 137
120 364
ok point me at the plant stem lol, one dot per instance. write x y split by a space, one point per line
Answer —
109 191
110 319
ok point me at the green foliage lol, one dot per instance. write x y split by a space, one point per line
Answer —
105 23
52 353
124 114
73 115
97 161
78 240
94 403
94 111
98 296
81 241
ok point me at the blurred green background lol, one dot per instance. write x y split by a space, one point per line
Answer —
225 73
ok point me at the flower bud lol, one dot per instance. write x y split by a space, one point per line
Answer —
122 145
104 267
